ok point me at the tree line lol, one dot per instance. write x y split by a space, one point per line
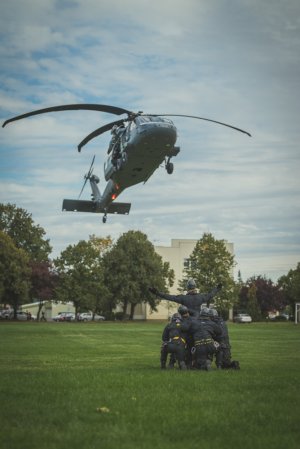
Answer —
100 274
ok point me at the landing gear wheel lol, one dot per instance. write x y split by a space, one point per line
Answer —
170 168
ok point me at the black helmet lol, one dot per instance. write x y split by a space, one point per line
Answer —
205 312
176 317
191 284
183 310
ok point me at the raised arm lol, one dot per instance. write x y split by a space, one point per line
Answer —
179 299
212 293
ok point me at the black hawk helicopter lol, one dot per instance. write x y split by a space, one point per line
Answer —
140 143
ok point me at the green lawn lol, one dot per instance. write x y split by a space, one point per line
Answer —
56 376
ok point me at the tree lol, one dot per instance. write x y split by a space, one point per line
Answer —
269 295
14 273
101 295
19 225
239 278
131 266
210 264
290 286
253 307
43 281
80 271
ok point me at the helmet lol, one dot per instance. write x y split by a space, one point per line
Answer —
191 284
213 313
176 317
205 312
183 310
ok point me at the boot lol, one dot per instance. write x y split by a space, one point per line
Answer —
208 365
163 361
235 364
182 365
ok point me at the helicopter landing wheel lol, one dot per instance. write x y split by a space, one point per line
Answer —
170 168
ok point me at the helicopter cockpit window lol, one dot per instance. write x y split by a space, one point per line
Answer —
150 119
141 119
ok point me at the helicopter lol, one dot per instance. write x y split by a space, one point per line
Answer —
139 144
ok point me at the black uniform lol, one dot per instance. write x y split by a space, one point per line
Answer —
173 343
223 356
206 335
192 300
186 322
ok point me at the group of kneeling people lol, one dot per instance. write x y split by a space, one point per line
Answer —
196 334
196 342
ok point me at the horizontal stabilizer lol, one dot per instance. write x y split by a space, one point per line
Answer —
92 206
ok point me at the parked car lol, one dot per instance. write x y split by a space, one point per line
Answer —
67 316
242 318
6 314
64 316
25 316
88 316
56 317
282 317
285 316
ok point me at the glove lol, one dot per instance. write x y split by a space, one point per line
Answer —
153 290
219 286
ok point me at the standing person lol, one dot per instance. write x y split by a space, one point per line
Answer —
173 342
192 300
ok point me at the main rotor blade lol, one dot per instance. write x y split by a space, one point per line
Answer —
71 107
200 118
98 131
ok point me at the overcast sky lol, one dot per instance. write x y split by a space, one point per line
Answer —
234 61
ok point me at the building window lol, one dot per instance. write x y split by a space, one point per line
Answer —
186 263
189 264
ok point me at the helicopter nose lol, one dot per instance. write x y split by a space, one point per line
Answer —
165 132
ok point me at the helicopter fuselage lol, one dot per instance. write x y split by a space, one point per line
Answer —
142 146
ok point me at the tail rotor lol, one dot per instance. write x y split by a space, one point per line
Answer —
87 176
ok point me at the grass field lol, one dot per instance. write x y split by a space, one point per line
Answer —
56 378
